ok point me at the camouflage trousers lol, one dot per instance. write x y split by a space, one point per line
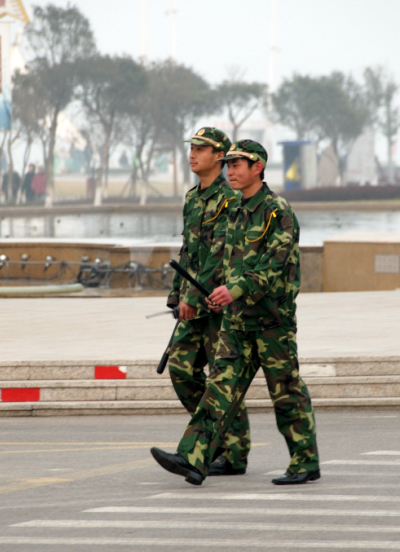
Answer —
230 378
194 347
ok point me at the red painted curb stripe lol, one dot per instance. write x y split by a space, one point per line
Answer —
109 372
20 395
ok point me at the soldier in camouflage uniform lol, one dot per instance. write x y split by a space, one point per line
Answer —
205 215
262 273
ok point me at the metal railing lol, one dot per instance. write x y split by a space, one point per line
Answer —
90 274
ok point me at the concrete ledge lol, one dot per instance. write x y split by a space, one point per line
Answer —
72 408
146 369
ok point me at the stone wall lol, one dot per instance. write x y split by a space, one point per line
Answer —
67 259
361 261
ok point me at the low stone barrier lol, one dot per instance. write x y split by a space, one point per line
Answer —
93 388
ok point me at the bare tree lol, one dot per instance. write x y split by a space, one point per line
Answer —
381 91
58 38
241 99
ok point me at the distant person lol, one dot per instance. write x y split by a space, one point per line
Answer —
123 160
15 184
88 154
39 184
27 184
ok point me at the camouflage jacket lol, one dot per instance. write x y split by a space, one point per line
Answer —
205 218
261 263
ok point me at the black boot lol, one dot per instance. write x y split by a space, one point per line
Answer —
175 463
222 466
297 478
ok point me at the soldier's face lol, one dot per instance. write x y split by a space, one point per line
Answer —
244 178
202 159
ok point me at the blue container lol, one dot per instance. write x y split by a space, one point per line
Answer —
292 165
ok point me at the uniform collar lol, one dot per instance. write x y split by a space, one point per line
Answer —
258 198
212 189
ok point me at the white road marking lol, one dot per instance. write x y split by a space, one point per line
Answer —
167 524
382 453
201 544
380 416
243 511
358 473
292 497
362 462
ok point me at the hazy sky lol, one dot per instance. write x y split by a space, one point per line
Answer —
312 36
213 36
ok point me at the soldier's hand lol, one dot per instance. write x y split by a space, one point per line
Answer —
212 306
221 296
186 312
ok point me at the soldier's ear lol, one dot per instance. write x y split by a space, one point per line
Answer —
220 154
259 167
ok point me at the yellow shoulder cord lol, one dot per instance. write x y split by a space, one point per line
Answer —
265 231
224 205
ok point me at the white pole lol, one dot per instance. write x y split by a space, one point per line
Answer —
174 13
272 48
143 32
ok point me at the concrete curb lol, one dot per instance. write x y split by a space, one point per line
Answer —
133 387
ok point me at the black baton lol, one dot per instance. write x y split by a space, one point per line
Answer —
176 266
164 358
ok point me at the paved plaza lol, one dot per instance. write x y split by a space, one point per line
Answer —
89 483
331 325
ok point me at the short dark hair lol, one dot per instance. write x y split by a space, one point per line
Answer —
251 163
215 150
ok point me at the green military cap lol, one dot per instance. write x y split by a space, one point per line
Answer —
210 136
249 149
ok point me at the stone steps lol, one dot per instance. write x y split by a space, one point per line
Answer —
106 408
92 388
147 390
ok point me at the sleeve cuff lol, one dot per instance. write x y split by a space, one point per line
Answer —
173 301
236 288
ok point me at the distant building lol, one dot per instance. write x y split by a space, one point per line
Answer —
328 169
360 165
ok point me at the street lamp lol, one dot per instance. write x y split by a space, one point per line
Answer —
3 260
24 259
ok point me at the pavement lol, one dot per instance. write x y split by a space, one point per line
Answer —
330 326
89 483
